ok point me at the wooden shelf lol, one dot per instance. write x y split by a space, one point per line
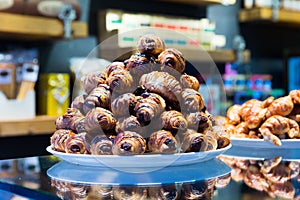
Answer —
201 2
37 126
24 27
266 14
219 56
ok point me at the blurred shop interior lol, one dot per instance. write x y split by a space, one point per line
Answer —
254 44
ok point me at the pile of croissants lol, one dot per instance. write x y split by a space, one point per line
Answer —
145 104
271 119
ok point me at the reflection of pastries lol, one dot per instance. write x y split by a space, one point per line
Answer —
281 106
129 143
150 45
173 120
188 81
101 145
58 139
98 120
163 84
149 106
128 124
129 193
123 104
162 142
196 190
193 141
277 125
92 80
75 144
171 59
98 97
102 192
164 192
137 65
192 100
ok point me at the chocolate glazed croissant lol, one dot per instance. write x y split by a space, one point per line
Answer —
120 81
101 145
114 66
188 81
92 80
173 120
150 45
128 124
98 120
98 97
162 141
193 141
129 143
58 139
192 100
148 107
163 84
171 59
76 144
67 120
198 121
123 105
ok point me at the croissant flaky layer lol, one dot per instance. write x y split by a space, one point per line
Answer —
143 103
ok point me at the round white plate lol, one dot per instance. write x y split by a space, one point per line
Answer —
260 143
79 174
138 161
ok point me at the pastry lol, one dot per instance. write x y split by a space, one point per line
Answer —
280 106
98 120
92 80
75 144
173 120
114 66
198 121
150 45
233 114
192 100
162 141
78 102
128 124
120 81
172 61
295 95
193 141
188 81
67 120
101 145
123 105
129 143
58 139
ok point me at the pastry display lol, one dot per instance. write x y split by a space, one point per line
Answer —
271 119
142 105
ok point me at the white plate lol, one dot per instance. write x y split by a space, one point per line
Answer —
261 143
138 161
79 174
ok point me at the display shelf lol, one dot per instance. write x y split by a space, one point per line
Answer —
219 56
202 2
24 27
39 125
266 14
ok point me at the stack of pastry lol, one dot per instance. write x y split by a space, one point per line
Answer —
143 104
271 119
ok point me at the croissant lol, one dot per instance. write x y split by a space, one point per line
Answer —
129 143
172 59
114 66
242 130
277 125
233 114
92 80
173 120
120 81
211 137
137 65
198 121
162 141
58 139
148 107
163 84
67 120
123 105
193 141
77 125
75 144
98 120
281 106
192 101
295 114
78 102
150 45
98 97
128 124
295 95
188 81
101 145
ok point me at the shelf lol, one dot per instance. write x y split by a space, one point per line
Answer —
37 126
24 27
219 56
202 2
266 14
